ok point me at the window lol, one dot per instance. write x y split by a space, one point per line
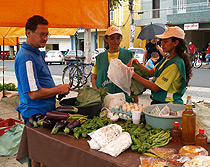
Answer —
156 8
181 6
111 15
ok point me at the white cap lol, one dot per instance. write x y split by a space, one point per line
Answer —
190 43
113 30
172 32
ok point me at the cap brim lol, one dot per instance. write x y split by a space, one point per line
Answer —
162 36
114 33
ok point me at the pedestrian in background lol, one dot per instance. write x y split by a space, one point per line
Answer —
113 37
208 54
151 62
152 46
191 50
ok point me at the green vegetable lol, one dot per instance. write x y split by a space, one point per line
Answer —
134 148
89 96
136 88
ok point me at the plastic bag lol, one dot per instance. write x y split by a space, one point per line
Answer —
10 140
120 75
111 100
203 119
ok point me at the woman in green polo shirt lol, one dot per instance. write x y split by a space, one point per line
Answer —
172 74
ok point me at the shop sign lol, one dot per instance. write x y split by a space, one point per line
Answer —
192 26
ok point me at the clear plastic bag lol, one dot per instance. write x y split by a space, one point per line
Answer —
120 75
203 119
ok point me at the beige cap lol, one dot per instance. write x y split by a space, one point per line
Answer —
172 32
113 30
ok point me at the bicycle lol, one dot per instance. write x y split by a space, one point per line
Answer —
197 63
79 73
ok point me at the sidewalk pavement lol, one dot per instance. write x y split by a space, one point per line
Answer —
8 110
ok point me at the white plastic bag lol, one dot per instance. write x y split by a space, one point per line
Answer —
120 74
202 119
111 100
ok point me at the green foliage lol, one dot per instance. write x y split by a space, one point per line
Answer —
137 88
8 87
89 96
114 4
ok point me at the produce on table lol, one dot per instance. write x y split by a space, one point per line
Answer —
9 87
59 126
125 111
91 125
47 123
55 115
136 88
89 96
145 137
71 125
67 109
34 119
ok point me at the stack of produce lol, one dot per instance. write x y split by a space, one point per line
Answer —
58 121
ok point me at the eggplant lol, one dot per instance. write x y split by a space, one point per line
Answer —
47 123
58 116
34 118
40 120
59 126
71 125
67 109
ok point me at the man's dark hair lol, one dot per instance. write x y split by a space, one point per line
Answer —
35 20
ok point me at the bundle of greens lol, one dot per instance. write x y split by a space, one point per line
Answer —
136 88
89 96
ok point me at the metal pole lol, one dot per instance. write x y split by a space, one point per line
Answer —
3 69
109 13
132 27
77 63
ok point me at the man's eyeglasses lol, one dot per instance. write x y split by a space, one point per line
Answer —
42 35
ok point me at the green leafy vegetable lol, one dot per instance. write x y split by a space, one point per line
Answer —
136 88
9 87
89 96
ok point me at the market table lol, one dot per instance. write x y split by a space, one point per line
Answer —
61 150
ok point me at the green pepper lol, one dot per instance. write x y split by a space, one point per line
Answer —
142 149
148 127
141 125
84 135
75 129
148 146
76 135
100 124
134 148
136 141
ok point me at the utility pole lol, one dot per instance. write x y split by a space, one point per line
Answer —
132 27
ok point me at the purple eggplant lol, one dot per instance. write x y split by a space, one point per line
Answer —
59 126
48 123
71 125
58 116
34 118
67 109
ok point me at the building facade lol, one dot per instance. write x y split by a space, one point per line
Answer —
191 15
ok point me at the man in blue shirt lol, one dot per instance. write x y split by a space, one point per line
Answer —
36 88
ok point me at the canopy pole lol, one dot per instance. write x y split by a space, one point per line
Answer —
3 69
77 63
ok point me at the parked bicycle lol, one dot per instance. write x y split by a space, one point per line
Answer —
78 73
197 60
